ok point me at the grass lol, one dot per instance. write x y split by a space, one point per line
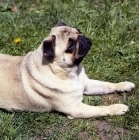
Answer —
113 26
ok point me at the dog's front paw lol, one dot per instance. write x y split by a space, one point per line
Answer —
125 86
118 109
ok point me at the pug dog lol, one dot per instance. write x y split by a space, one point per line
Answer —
53 78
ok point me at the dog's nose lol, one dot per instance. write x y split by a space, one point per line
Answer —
84 45
83 39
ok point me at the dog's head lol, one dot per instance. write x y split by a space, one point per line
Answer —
65 45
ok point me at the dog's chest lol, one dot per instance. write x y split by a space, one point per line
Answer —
77 84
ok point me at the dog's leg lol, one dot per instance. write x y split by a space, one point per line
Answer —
99 87
86 111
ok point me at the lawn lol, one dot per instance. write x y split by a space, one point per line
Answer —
113 26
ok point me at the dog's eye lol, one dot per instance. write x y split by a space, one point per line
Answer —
71 46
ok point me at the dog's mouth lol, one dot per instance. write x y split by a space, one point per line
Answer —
84 47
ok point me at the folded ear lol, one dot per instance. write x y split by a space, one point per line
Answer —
48 49
60 24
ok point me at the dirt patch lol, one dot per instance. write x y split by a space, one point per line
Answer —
83 135
37 138
112 99
107 131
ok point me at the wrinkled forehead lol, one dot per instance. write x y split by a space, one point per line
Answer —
65 31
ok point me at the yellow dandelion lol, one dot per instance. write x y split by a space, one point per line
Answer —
17 40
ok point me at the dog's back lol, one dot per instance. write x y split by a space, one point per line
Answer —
10 81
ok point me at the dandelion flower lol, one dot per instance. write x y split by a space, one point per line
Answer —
17 40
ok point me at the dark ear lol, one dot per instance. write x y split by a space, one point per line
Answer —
79 31
60 24
48 49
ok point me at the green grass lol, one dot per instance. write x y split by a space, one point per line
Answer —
113 26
